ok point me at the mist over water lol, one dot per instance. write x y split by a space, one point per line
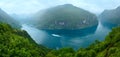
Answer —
55 42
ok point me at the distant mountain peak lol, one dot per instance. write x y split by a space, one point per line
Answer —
68 5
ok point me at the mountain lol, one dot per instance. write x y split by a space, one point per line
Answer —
5 18
65 16
110 17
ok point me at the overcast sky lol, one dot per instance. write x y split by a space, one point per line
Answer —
32 6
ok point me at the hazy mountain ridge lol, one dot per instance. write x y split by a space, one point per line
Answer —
5 18
111 17
65 17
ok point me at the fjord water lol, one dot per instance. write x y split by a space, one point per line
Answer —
56 41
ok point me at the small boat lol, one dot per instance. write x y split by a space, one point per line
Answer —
55 35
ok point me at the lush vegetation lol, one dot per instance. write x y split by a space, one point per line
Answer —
17 43
65 17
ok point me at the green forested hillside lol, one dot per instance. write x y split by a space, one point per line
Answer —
17 43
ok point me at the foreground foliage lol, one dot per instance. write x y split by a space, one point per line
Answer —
17 43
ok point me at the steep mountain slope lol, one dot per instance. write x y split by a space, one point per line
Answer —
65 17
5 18
111 17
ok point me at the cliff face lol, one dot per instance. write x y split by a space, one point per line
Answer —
110 17
5 18
65 17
